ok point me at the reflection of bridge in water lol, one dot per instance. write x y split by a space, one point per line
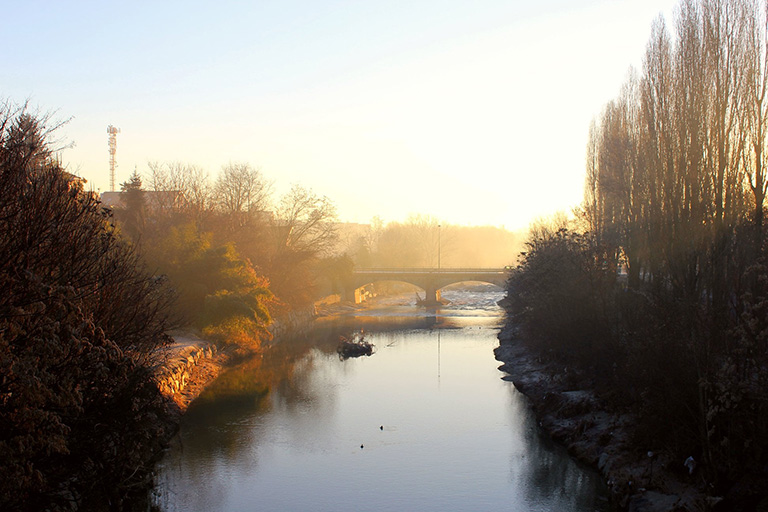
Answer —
431 280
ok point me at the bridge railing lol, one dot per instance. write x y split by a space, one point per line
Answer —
420 270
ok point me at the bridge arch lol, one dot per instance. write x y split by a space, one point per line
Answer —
428 279
361 291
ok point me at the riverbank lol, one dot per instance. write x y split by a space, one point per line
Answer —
191 363
600 435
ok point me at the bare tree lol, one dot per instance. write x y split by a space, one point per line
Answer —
198 193
591 204
723 37
179 188
303 230
241 191
305 222
756 109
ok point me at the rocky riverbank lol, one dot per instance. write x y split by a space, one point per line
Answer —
600 435
190 364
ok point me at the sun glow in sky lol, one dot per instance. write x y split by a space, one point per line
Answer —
474 112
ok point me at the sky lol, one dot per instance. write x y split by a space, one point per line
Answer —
472 112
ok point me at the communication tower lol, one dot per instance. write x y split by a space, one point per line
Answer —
112 131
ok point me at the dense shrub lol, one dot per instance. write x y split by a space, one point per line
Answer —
220 292
560 296
80 320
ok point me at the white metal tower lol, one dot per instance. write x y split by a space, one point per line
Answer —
112 131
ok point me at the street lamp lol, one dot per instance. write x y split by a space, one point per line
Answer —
438 247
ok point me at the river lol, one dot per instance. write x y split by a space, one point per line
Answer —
425 423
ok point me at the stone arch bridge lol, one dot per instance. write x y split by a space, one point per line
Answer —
431 280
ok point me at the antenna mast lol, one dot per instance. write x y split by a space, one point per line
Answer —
112 131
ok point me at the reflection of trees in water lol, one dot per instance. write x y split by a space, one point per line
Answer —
224 424
545 473
222 427
241 394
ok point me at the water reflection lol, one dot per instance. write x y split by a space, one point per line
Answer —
543 470
425 423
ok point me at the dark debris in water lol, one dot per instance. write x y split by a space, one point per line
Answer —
354 346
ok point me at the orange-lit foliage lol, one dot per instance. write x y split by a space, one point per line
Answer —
237 330
220 291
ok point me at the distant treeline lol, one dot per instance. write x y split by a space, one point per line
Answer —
661 293
421 240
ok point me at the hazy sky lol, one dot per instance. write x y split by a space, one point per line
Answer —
475 112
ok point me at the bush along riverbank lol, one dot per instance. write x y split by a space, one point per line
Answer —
81 323
684 377
600 433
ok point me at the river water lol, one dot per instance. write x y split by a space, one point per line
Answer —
425 423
